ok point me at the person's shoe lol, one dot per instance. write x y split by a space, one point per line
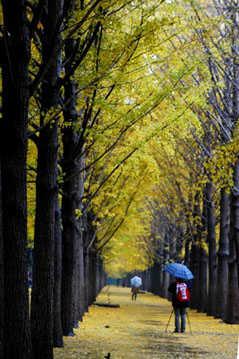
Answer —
182 330
176 331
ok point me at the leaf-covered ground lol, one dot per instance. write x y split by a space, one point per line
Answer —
137 330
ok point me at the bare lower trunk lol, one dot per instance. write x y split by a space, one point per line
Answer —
93 266
235 210
57 328
166 277
81 287
1 274
70 240
195 253
81 283
232 315
203 262
43 266
76 282
15 54
156 278
97 275
203 265
212 251
223 253
194 266
68 256
46 190
87 279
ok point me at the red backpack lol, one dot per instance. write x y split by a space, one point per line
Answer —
182 292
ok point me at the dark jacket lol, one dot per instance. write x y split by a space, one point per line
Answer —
175 302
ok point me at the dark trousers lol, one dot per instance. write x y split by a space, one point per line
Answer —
180 313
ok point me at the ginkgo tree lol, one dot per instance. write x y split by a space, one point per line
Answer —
116 97
162 98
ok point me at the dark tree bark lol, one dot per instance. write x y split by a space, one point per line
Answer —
179 242
1 274
15 56
235 210
75 287
195 253
156 277
68 250
68 259
212 250
43 267
166 276
203 281
57 327
88 233
69 204
187 252
92 276
103 277
97 275
223 253
203 262
77 291
194 266
81 284
86 278
232 315
46 191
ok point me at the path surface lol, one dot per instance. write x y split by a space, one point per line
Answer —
137 330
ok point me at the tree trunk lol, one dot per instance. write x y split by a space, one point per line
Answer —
194 266
69 251
70 204
179 242
86 278
166 275
203 281
195 253
46 192
76 282
187 252
15 56
203 263
156 276
223 253
236 211
232 315
43 267
81 284
87 235
93 265
1 274
212 250
103 277
57 327
97 275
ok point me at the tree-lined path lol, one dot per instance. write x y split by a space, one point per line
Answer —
137 330
119 138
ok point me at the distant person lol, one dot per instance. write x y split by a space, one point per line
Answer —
134 291
123 282
30 279
180 301
117 282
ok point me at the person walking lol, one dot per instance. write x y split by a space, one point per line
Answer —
134 291
180 301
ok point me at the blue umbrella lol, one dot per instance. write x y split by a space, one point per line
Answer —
136 282
178 270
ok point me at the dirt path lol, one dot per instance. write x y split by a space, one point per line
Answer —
137 330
